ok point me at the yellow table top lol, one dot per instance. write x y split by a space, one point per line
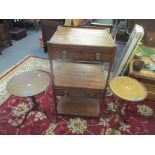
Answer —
128 88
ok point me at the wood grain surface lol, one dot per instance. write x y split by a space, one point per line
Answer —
28 83
82 37
128 88
78 106
79 75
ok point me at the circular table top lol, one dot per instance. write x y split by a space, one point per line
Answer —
28 83
128 88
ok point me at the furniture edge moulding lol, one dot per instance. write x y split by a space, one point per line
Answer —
72 27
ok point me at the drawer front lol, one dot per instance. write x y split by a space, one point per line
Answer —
150 91
82 55
146 80
151 94
78 93
150 86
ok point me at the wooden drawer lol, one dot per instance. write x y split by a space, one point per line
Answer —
151 91
78 93
146 80
149 84
106 55
151 94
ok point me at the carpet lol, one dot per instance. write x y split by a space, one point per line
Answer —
12 109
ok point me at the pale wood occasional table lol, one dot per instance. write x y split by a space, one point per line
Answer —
127 89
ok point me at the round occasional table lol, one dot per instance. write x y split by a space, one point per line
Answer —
127 89
29 84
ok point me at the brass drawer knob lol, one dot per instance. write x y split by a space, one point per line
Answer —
64 54
98 56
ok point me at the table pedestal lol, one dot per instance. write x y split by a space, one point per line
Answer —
118 112
29 84
35 106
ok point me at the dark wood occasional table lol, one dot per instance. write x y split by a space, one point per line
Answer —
29 84
79 77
